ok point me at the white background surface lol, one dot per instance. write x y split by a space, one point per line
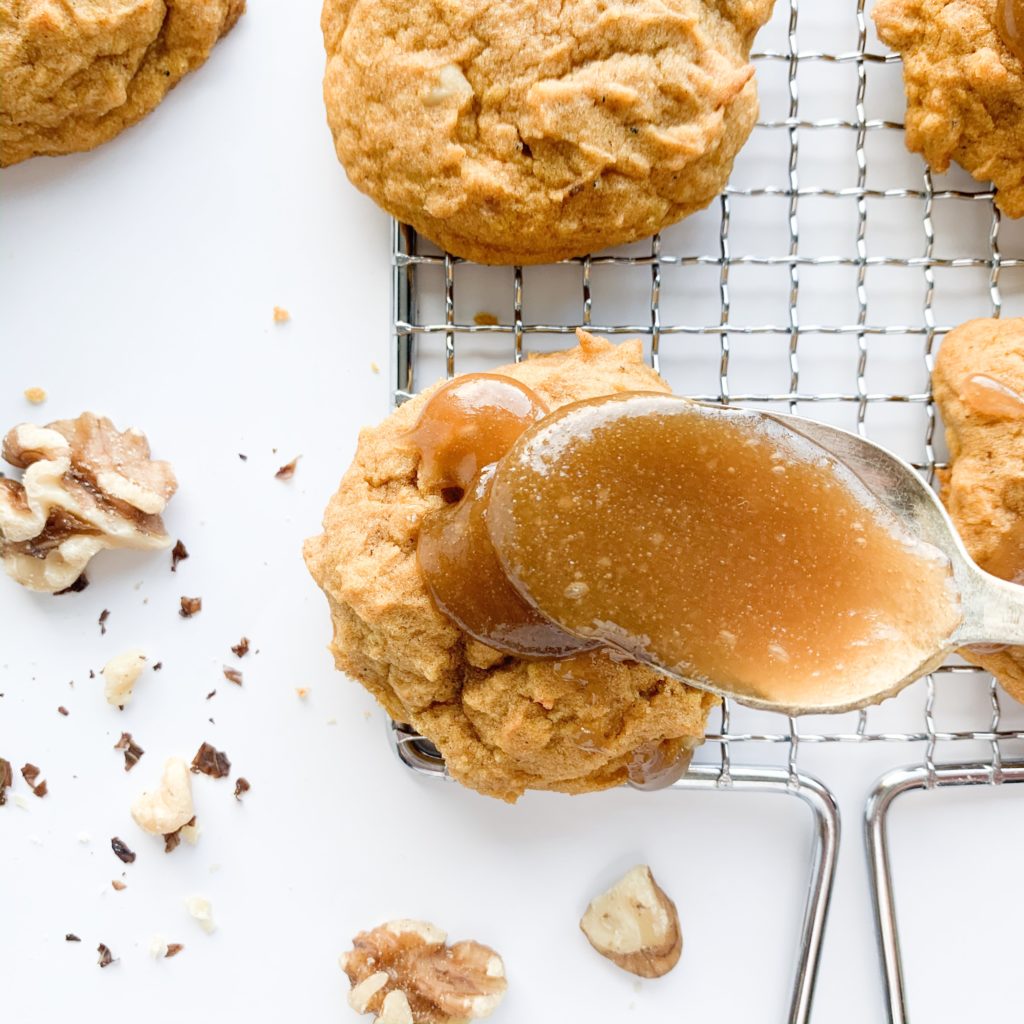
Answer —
138 280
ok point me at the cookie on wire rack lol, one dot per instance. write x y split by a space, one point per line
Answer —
526 131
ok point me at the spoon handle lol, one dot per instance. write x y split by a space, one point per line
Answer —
994 611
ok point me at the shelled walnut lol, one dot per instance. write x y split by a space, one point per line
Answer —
404 971
166 809
86 486
635 925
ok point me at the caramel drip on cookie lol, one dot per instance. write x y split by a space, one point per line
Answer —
469 423
1010 23
465 427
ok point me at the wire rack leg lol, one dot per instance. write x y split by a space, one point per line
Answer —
876 833
422 758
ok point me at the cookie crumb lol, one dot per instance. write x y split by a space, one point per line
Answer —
241 649
302 691
232 675
211 761
287 471
190 606
483 319
374 367
178 554
35 395
281 315
241 787
118 885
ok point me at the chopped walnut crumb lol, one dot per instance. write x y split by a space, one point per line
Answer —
6 779
287 471
202 910
242 786
30 773
61 710
71 937
120 675
102 620
190 606
118 885
173 949
281 315
241 649
132 751
232 675
86 486
211 761
188 831
164 810
302 691
436 982
211 694
121 851
106 957
35 395
178 554
158 666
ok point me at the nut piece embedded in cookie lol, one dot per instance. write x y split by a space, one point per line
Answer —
165 810
120 675
403 971
86 486
635 925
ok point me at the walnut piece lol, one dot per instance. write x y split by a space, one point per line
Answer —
120 675
405 973
202 910
635 925
86 486
162 811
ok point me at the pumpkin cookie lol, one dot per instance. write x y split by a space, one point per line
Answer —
504 724
964 78
523 131
979 387
77 74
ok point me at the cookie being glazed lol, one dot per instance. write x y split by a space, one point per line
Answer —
979 387
964 78
73 75
527 131
504 724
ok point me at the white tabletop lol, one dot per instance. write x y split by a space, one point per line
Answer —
138 281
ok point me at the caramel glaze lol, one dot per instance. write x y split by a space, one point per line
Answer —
465 427
1010 23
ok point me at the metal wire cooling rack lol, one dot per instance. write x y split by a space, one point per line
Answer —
868 262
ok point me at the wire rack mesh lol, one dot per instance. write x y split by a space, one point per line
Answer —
820 283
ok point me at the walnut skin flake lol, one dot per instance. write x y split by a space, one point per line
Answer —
85 486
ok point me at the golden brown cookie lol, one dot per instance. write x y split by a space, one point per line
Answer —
73 75
965 89
526 131
504 724
979 384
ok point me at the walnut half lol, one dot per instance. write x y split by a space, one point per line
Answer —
85 486
405 973
635 925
